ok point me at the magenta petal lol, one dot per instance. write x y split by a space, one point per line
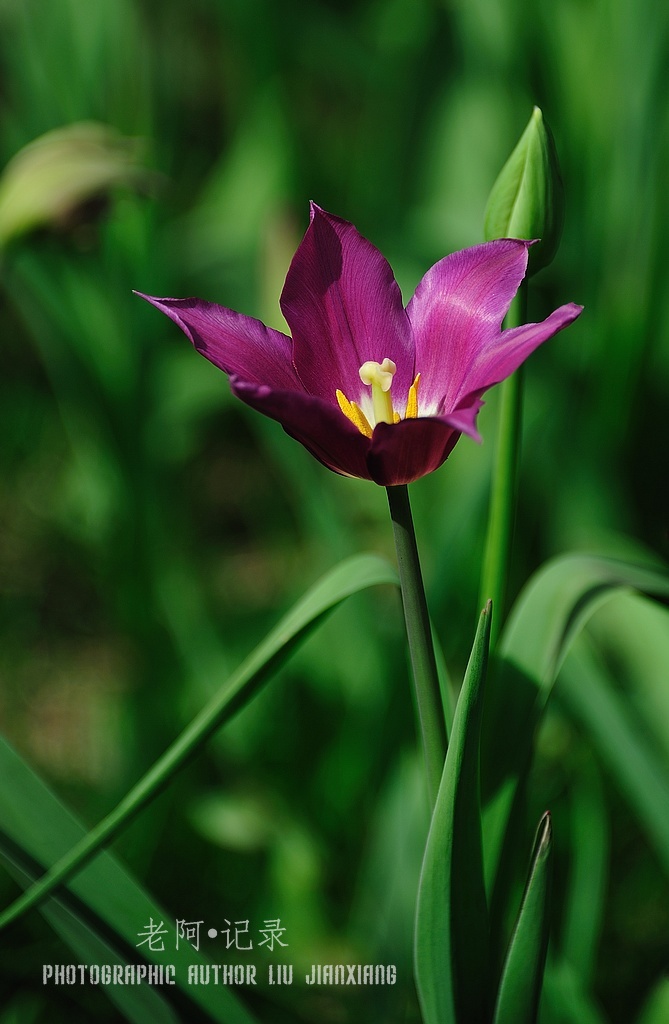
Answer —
464 417
457 307
344 307
498 360
233 342
402 452
320 427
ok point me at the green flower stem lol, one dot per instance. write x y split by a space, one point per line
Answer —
421 648
503 495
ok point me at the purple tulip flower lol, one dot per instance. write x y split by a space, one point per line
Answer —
371 389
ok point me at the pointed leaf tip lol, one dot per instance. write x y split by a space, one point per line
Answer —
545 833
522 975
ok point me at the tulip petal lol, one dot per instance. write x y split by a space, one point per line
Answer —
344 308
402 452
499 359
464 417
235 343
321 428
457 308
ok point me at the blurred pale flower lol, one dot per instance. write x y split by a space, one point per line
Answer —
51 178
371 389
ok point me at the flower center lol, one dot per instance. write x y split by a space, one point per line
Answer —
379 377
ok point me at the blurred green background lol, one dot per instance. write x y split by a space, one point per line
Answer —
152 528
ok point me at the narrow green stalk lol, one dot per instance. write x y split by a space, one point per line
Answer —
504 482
421 648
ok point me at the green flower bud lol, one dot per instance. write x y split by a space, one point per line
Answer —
527 200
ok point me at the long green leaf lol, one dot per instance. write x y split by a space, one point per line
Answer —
137 1003
520 985
633 633
451 962
550 612
35 823
641 774
104 898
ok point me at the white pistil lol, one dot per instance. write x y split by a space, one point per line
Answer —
379 376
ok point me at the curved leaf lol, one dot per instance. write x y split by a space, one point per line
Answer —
640 772
550 612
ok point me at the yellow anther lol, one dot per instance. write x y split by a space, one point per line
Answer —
412 400
353 411
379 376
